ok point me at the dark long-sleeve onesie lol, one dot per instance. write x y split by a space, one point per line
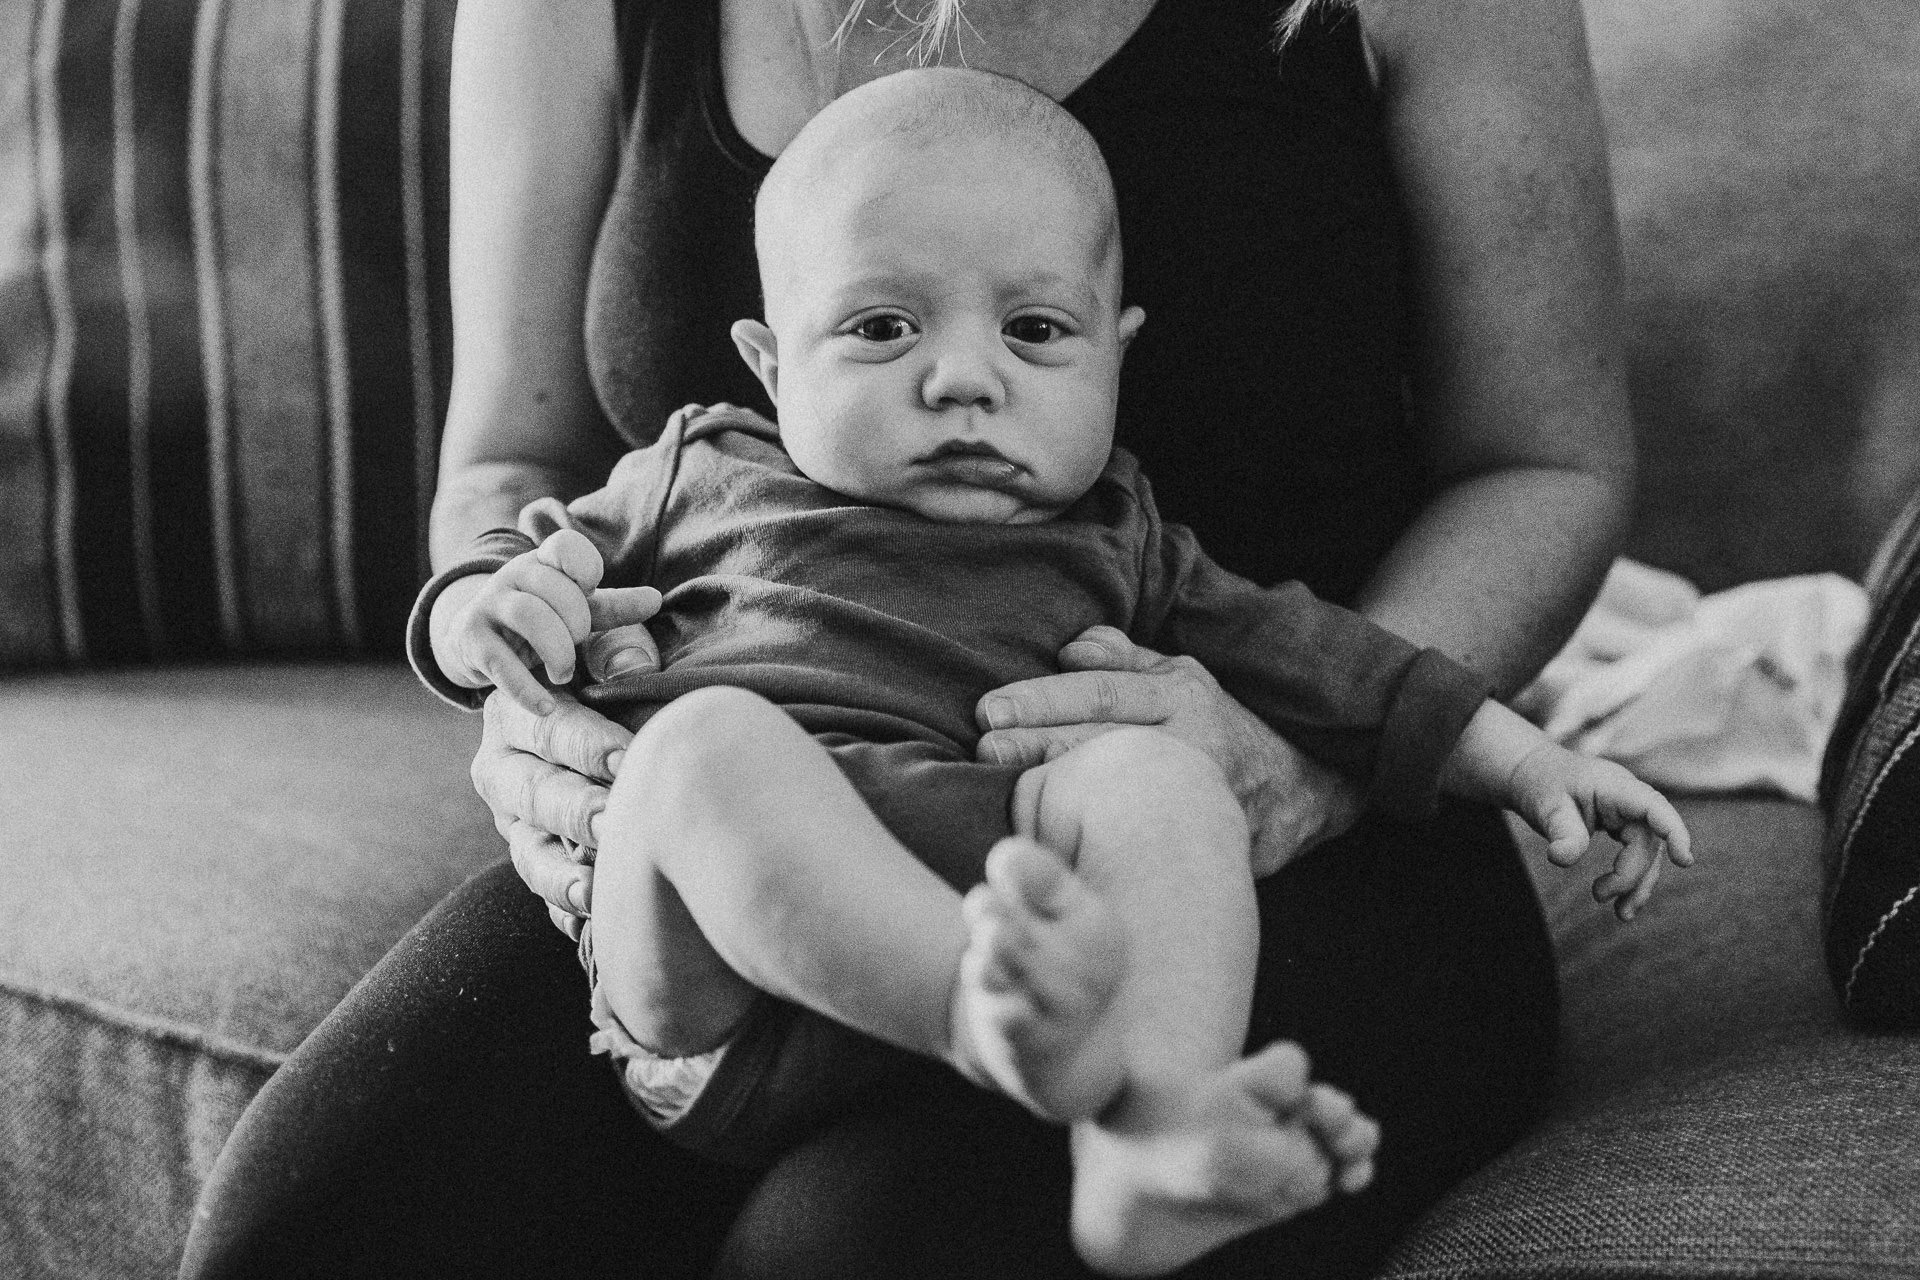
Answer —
878 630
885 625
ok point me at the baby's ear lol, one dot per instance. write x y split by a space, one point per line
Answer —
1129 327
757 347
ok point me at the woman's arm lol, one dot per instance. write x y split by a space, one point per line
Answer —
535 100
1496 131
1498 144
535 104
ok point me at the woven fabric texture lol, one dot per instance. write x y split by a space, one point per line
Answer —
199 863
1801 1159
222 295
1726 951
1871 790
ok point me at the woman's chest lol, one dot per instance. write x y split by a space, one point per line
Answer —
781 61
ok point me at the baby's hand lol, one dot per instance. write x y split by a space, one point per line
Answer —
1567 797
532 609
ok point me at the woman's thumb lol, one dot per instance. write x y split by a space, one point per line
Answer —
1105 648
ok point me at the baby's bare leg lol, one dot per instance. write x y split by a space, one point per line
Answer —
1199 1145
736 857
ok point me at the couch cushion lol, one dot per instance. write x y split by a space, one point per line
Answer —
222 295
1726 950
1801 1159
198 864
1713 1119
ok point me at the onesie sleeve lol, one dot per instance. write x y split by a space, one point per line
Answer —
1351 694
620 518
486 554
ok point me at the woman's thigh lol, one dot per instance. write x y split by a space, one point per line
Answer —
447 1119
1411 963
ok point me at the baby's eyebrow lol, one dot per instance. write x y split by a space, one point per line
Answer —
895 283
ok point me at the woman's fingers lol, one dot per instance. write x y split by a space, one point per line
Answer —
533 769
1076 697
1105 648
545 868
628 648
565 923
574 737
1030 747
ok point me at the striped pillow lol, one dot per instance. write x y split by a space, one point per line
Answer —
223 323
1871 789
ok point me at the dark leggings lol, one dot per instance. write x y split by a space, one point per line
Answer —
446 1119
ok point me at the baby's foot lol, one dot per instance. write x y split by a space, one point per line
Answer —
1174 1172
1043 959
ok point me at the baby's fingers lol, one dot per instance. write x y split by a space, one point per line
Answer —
495 658
532 576
622 606
541 630
572 553
1566 833
1666 823
1635 872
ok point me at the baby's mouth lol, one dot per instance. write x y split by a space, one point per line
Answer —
973 462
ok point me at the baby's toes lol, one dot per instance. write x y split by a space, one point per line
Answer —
1275 1077
1001 940
1349 1137
1029 877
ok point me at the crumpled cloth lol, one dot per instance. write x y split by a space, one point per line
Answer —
1734 691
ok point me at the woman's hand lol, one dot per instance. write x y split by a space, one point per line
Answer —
1292 803
546 779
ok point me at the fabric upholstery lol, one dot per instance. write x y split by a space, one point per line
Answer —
1713 1118
222 294
199 863
1799 1158
1726 950
1871 788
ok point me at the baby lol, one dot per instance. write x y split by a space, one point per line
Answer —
802 868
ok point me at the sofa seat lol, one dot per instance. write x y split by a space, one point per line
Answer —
1714 1118
234 846
199 863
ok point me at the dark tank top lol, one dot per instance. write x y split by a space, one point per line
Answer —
1262 233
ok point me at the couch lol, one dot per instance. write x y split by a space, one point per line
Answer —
222 360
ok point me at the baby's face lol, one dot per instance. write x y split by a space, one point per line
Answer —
944 332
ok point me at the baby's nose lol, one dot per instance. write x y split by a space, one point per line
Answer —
961 377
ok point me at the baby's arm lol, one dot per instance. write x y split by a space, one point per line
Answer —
487 629
1567 797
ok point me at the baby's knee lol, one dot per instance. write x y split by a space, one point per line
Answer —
704 739
1148 758
1139 770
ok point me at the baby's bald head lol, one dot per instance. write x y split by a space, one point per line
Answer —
999 126
940 261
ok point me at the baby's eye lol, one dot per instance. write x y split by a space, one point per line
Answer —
885 328
1035 330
